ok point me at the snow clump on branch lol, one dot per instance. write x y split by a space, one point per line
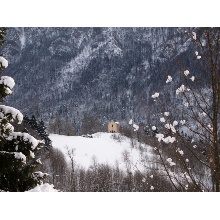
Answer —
162 119
169 79
130 122
7 81
3 62
16 114
156 94
166 140
192 78
166 113
169 160
136 127
186 72
194 35
182 88
170 127
182 122
154 128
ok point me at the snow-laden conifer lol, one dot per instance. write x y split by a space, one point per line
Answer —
18 162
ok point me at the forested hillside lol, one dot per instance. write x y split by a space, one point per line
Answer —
103 73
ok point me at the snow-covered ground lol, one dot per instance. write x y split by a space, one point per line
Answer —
103 147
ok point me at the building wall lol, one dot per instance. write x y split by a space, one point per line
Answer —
113 127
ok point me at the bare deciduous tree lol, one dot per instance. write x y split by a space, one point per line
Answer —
189 137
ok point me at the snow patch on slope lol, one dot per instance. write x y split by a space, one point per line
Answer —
103 147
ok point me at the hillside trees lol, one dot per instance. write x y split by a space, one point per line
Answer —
63 126
189 132
18 164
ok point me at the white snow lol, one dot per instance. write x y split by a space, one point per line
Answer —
182 122
169 160
7 81
136 127
162 119
102 146
39 161
166 113
154 128
166 140
32 154
181 152
8 91
192 78
182 88
16 114
130 122
186 104
175 123
4 62
169 79
27 137
159 137
198 57
169 139
39 174
196 53
46 187
172 164
203 114
186 72
19 155
194 35
169 126
155 95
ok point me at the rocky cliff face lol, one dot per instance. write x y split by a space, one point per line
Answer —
109 73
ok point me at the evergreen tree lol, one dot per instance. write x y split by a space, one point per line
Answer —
18 165
40 129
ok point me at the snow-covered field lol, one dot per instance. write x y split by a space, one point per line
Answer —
103 147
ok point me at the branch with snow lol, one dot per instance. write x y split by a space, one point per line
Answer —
136 127
3 62
169 160
186 72
14 113
7 81
194 35
26 137
182 89
169 79
166 140
155 95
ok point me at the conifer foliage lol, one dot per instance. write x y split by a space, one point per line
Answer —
18 164
40 128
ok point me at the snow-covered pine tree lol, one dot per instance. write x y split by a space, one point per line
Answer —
18 164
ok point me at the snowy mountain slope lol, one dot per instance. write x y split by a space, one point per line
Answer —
103 147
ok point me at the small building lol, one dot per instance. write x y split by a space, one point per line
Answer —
113 127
